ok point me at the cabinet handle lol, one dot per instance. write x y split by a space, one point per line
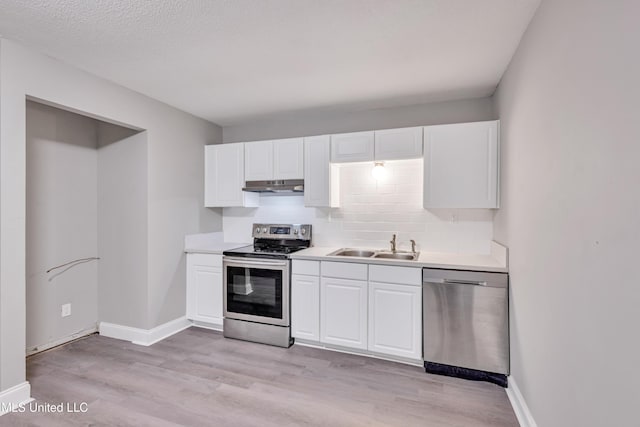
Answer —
243 262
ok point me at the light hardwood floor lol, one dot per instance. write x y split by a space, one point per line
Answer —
199 378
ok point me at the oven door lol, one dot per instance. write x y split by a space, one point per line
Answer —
256 290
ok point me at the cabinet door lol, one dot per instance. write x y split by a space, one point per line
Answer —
258 161
394 144
204 288
224 177
343 312
352 147
320 182
395 319
288 160
461 165
305 307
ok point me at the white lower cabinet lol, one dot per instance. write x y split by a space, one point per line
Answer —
305 307
395 319
204 288
375 308
343 312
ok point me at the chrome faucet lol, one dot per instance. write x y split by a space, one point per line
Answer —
393 243
413 246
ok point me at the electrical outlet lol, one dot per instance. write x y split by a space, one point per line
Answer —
66 310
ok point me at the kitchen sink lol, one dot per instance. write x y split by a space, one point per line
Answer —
363 253
367 253
408 256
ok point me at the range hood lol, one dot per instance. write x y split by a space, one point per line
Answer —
275 186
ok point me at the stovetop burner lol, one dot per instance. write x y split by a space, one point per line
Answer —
277 250
253 251
275 241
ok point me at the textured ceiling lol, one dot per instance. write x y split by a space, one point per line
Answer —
232 61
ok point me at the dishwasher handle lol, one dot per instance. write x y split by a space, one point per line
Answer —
465 282
461 277
457 282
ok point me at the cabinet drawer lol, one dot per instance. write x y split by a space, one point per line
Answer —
309 268
392 274
344 270
209 260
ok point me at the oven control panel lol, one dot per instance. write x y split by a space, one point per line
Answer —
282 231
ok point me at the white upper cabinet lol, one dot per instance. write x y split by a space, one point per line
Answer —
388 144
278 159
461 165
224 177
288 162
258 161
320 178
352 147
394 144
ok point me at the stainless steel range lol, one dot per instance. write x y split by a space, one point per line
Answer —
257 282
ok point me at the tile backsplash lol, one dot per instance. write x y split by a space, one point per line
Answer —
371 211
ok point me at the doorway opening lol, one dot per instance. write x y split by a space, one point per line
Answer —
81 179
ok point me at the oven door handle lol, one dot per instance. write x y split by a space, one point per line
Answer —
245 261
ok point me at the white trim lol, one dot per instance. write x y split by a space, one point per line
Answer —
68 338
16 396
356 352
525 418
207 325
144 337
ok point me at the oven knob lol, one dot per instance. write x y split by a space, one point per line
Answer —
264 230
257 230
303 231
295 231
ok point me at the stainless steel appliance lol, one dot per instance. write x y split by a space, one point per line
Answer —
275 186
257 284
466 324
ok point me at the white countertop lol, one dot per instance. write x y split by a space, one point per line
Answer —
208 243
496 261
213 243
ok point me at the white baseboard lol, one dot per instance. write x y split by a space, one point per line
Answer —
365 353
207 325
14 397
525 418
144 337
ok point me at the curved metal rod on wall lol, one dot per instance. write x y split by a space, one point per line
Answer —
72 262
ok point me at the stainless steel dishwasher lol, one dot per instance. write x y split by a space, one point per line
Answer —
465 318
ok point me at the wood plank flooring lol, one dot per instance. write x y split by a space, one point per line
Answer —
199 378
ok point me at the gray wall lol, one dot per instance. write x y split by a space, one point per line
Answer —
175 208
348 120
62 212
122 226
175 172
570 153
